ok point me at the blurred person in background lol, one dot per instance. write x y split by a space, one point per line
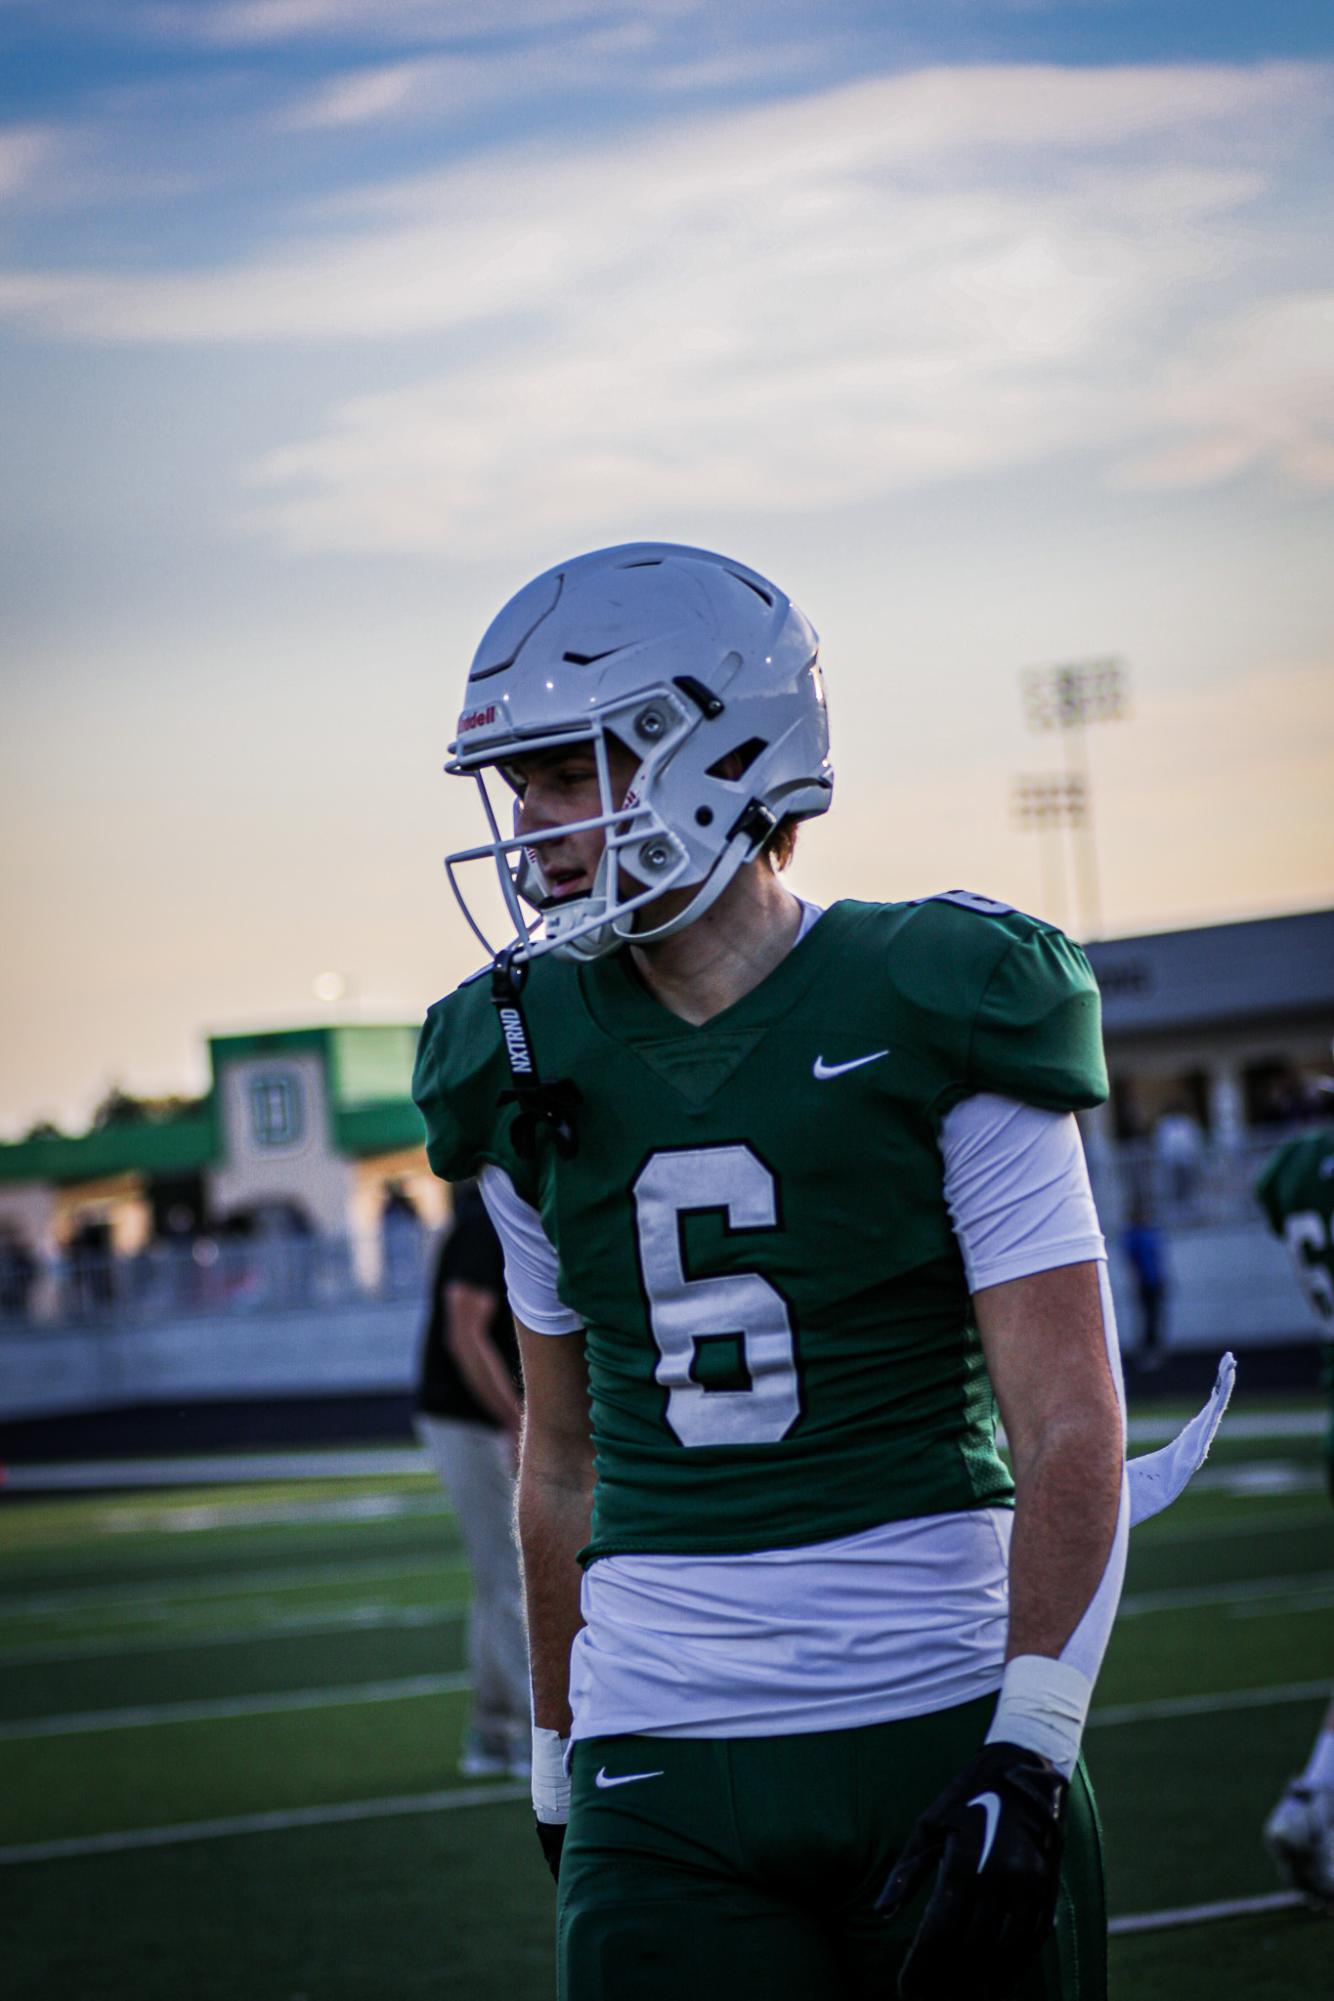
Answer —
18 1276
469 1417
1142 1243
1178 1145
1296 1193
400 1242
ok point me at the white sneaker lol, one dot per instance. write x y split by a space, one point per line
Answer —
1300 1836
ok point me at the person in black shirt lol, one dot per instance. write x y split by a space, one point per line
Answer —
469 1415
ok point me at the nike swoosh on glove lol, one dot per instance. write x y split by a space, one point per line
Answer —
551 1834
994 1840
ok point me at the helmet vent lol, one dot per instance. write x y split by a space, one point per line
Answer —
736 763
480 673
751 585
587 659
644 563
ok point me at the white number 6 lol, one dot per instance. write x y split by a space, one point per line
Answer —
684 1311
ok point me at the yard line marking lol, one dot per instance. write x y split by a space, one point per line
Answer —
1249 1424
409 1687
286 1626
206 1516
1205 1914
1274 1523
1319 1600
221 1469
243 1468
1208 1705
275 1577
1299 1586
1257 1479
263 1823
77 1723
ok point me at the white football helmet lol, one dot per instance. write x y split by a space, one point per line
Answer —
691 661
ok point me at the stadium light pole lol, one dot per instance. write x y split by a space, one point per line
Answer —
1066 698
1045 803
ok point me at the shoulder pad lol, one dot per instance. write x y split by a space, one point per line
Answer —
970 899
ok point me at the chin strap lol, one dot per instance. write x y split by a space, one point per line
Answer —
552 1105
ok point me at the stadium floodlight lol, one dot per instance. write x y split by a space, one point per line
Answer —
1074 693
1050 801
1066 697
1043 803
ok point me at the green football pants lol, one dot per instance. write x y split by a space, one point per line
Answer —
697 1869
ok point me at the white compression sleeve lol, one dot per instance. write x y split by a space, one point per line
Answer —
531 1267
1017 1188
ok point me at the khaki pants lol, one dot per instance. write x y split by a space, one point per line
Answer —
473 1463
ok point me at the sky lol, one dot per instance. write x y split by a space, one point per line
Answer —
1000 333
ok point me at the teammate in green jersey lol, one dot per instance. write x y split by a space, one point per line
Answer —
1296 1192
792 1200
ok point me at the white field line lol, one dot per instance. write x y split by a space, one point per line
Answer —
240 1584
78 1723
286 1626
1259 1479
1205 1914
1319 1600
262 1823
1273 1523
409 1687
1208 1705
1242 1593
128 1519
277 1579
218 1469
243 1468
1238 1424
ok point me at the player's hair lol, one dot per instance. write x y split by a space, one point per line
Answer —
778 850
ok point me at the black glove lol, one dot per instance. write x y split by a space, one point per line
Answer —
996 1835
551 1834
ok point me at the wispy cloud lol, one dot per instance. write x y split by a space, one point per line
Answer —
1258 390
255 23
24 149
810 304
625 60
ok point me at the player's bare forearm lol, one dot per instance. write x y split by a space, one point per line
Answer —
554 1513
553 1527
1047 1356
1066 1497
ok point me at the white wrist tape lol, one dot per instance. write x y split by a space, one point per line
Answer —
1043 1704
551 1785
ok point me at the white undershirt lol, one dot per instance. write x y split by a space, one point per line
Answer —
896 1621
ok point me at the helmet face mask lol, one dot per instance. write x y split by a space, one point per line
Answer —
693 665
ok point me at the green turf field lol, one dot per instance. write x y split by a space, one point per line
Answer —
229 1720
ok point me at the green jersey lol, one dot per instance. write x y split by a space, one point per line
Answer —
753 1229
1296 1192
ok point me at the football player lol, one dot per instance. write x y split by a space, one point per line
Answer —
792 1201
1296 1192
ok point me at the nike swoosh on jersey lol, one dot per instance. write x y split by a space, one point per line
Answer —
602 1781
991 1807
822 1070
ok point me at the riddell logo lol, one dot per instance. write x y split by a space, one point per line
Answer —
515 1040
476 719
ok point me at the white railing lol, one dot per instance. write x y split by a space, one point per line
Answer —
209 1276
212 1276
1214 1187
